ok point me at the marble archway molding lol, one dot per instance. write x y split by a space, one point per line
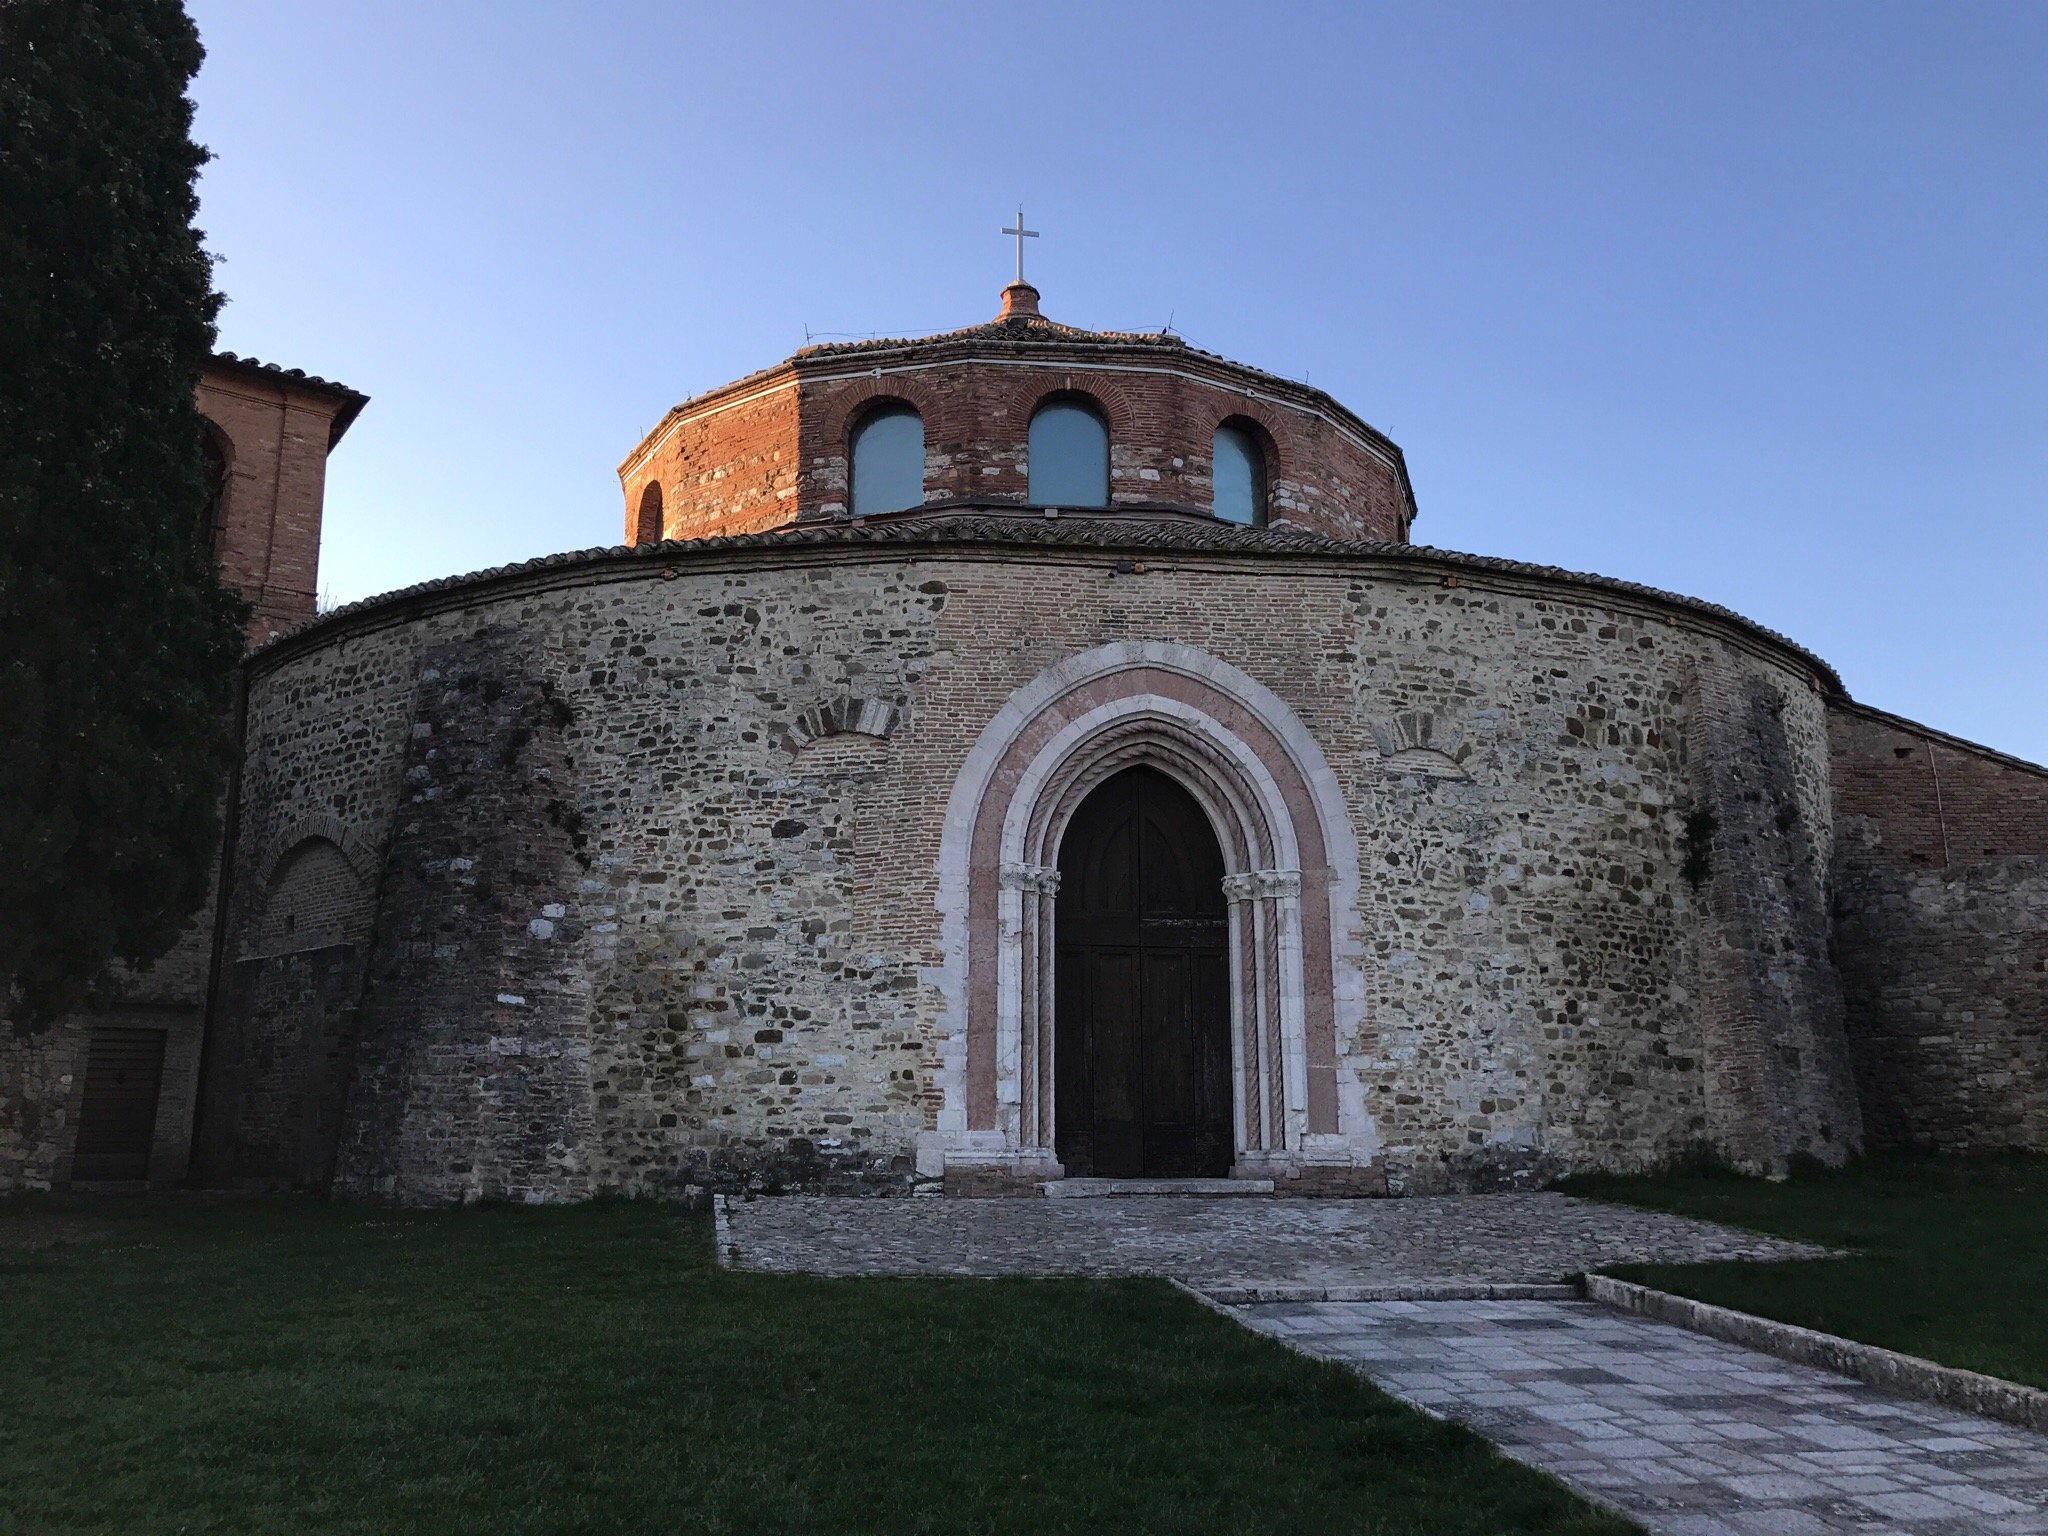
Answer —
1297 994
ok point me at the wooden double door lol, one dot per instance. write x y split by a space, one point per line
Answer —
1142 992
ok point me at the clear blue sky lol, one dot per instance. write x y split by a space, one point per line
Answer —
1745 300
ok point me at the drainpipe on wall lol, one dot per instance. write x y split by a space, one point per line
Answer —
1940 815
231 817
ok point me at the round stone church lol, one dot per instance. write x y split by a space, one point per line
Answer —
1019 756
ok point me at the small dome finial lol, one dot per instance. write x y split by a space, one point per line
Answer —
1020 301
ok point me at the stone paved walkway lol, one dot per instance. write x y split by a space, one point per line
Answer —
1522 1237
1688 1435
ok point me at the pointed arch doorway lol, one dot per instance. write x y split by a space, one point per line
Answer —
1142 1037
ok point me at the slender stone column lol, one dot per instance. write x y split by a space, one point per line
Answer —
1038 1019
1248 1009
1268 1033
1245 1112
1282 888
1024 1065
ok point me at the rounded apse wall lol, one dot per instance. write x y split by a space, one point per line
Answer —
713 866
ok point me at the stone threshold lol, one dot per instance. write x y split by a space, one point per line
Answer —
1102 1189
1249 1293
1988 1397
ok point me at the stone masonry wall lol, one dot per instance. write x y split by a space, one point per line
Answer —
42 1076
1515 767
41 1079
1779 1082
42 1085
471 1076
736 980
1941 934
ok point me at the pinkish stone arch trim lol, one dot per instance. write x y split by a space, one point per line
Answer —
1292 887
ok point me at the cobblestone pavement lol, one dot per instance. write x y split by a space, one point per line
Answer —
1522 1237
1688 1435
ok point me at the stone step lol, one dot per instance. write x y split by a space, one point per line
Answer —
1097 1189
1250 1293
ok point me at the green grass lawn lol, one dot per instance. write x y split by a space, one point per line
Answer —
1951 1258
283 1367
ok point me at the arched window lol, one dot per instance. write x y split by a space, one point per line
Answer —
1238 475
216 460
1069 448
647 525
888 460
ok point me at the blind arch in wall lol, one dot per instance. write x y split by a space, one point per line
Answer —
314 898
647 520
217 455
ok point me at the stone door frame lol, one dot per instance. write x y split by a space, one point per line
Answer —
1291 883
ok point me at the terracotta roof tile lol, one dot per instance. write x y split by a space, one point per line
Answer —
1146 531
352 400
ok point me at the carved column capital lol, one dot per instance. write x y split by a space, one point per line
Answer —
1040 878
1276 883
1262 885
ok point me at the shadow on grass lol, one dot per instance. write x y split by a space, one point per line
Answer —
281 1366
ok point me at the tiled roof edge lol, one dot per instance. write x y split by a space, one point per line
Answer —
352 400
1000 527
1960 743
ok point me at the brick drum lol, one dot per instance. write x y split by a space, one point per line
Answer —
772 448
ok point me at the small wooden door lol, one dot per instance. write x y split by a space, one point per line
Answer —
1142 991
124 1074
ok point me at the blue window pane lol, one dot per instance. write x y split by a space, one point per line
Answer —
1069 462
1239 477
888 462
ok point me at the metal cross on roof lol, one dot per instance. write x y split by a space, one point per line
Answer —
1022 235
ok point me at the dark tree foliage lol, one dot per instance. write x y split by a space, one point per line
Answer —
118 643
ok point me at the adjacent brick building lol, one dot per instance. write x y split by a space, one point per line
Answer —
1941 933
269 431
110 1096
